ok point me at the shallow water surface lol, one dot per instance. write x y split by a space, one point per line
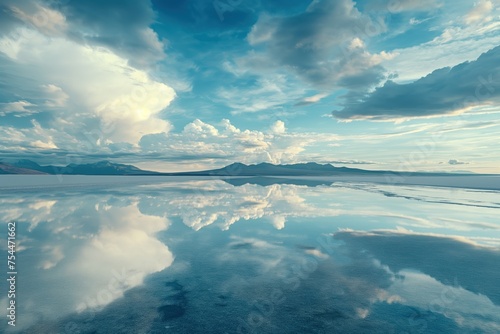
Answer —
180 255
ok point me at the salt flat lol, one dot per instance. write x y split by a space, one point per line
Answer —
41 182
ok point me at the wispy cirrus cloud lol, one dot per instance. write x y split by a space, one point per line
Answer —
18 108
405 5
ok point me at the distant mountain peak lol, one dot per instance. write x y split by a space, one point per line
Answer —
105 163
236 164
266 168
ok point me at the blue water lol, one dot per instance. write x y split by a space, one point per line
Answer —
182 255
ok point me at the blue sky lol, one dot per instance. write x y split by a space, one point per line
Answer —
195 84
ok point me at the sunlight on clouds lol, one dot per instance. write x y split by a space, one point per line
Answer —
311 99
19 108
89 74
43 145
56 97
11 47
480 12
47 143
460 40
248 146
35 137
446 91
278 127
229 127
199 128
42 204
44 19
278 222
95 84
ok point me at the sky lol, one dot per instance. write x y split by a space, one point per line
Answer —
173 85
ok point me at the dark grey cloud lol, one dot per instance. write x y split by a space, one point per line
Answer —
443 92
319 44
123 26
7 20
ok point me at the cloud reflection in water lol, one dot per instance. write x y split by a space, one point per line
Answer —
106 249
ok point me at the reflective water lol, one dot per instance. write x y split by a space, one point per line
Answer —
209 256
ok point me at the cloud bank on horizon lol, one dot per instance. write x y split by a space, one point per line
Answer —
172 85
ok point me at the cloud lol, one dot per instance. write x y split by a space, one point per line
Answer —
278 127
122 26
445 91
35 137
480 12
366 274
200 129
270 91
7 20
201 203
311 99
322 45
468 125
399 6
101 94
97 256
360 287
456 162
19 108
233 144
449 41
44 19
428 250
87 88
56 97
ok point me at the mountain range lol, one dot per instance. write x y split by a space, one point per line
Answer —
235 169
98 168
267 169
